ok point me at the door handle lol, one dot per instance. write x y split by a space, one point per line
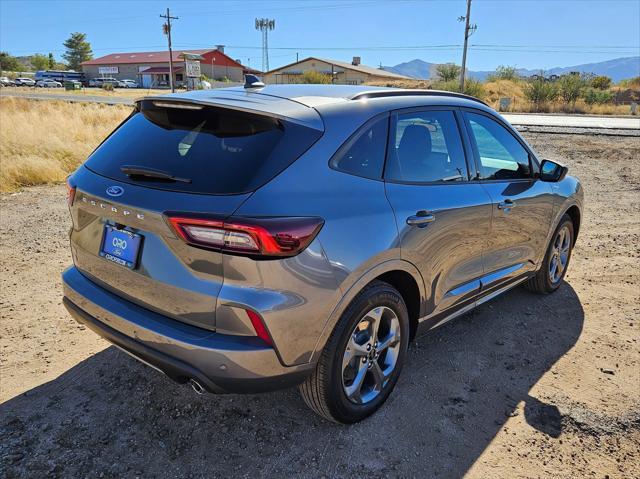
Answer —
421 218
506 204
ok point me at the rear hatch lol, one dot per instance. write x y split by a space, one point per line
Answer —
175 156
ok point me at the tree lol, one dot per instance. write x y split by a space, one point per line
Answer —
52 62
39 61
78 50
504 72
571 87
9 62
448 71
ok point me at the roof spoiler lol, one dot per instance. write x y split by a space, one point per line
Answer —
252 81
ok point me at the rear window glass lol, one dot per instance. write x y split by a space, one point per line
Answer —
211 150
363 155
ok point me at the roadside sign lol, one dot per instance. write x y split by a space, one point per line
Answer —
193 68
107 70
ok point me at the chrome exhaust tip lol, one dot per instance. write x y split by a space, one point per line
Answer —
197 387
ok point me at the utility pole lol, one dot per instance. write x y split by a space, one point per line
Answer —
468 31
166 28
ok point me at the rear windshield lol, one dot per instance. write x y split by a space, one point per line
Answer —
207 150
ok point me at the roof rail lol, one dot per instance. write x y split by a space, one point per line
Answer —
410 92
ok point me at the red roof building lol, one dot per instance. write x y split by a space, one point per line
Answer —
151 69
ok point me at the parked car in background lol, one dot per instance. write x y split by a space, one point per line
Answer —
48 84
99 82
4 81
128 84
304 234
21 81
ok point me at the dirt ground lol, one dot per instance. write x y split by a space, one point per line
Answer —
525 386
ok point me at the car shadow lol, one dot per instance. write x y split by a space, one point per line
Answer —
111 415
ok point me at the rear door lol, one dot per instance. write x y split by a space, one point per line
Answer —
443 218
522 204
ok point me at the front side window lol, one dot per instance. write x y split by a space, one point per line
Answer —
426 147
363 154
501 156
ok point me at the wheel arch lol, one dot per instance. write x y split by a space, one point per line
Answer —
574 213
402 275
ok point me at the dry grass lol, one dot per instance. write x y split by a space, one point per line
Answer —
43 141
506 89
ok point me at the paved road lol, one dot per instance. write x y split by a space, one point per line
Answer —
520 119
574 121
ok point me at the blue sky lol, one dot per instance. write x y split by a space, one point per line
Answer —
528 34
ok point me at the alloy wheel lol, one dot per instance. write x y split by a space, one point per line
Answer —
560 250
371 355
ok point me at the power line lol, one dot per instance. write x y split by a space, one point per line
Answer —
451 47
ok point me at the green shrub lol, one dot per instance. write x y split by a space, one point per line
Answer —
570 88
314 77
451 85
472 87
593 96
108 86
601 82
540 92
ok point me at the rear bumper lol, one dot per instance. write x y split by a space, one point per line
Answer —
220 363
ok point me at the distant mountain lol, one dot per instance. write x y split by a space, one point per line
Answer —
418 69
617 69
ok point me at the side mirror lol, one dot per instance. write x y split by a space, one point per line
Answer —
552 172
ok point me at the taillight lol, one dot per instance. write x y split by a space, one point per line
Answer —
258 325
257 237
71 192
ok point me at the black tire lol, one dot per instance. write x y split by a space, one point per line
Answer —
324 391
542 282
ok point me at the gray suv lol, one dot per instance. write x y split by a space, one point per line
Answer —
248 239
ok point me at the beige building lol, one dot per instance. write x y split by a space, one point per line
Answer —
343 73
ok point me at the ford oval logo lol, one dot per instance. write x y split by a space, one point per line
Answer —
115 190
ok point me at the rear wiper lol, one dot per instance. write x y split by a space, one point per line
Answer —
133 170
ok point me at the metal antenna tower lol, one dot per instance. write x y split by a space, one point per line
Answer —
264 25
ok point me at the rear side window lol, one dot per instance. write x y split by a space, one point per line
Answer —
426 147
501 155
210 150
363 155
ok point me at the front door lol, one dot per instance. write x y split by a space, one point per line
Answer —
522 204
443 219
